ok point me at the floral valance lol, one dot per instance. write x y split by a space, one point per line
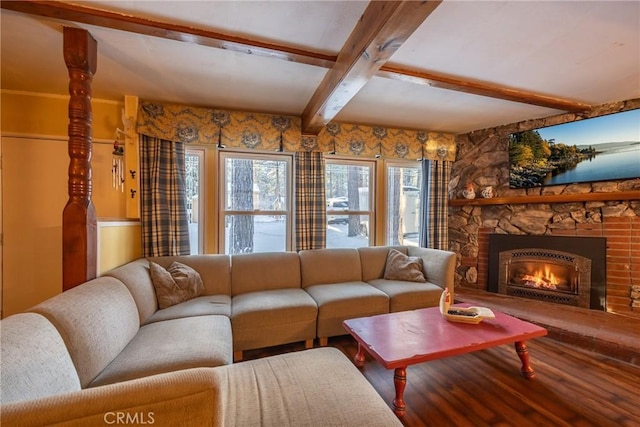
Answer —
209 126
388 143
272 132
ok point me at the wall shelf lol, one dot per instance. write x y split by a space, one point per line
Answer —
551 198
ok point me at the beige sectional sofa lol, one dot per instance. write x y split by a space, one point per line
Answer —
103 352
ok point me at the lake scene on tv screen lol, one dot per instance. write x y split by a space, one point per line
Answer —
603 148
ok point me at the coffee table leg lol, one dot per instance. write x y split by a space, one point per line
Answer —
400 381
358 360
523 354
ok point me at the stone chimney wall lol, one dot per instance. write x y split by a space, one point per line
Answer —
482 160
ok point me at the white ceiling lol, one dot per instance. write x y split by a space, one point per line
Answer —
584 51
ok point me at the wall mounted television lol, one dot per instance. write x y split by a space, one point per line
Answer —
603 148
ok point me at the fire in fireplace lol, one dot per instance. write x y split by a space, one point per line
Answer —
540 279
564 270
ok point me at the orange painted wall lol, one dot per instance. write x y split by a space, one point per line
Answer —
34 190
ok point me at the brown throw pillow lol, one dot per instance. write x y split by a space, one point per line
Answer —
176 284
402 267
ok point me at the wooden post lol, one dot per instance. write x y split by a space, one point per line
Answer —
79 231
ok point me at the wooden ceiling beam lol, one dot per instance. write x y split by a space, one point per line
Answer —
130 23
381 30
459 84
148 27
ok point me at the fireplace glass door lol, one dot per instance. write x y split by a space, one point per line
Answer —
545 274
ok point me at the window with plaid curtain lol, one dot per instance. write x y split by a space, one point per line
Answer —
165 224
311 215
434 231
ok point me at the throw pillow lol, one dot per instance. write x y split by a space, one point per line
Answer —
175 284
402 267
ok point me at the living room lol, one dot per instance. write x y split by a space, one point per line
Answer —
50 106
34 127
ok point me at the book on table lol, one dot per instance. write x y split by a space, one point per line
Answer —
472 315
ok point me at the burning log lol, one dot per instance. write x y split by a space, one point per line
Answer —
539 282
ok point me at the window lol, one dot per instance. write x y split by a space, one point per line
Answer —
404 182
193 173
255 203
350 219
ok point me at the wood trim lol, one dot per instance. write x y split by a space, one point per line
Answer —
79 228
131 158
182 33
107 221
551 198
382 29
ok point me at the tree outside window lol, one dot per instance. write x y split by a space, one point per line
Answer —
255 203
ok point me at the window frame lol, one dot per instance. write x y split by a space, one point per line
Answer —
373 196
223 212
200 153
396 163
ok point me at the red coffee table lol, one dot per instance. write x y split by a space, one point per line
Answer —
397 340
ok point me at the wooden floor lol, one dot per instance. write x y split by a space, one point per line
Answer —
573 387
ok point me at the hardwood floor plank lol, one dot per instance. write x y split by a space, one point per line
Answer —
470 387
511 382
500 384
546 395
596 385
461 395
596 393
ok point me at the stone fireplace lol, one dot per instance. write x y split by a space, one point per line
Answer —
606 209
559 269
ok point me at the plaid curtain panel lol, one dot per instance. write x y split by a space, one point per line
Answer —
433 210
165 225
311 213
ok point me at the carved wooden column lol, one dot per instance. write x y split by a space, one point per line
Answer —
79 232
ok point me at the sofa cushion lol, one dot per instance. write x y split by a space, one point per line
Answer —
374 260
272 317
340 301
438 265
35 360
403 267
136 277
175 284
405 296
215 270
264 271
96 321
171 345
305 388
205 305
322 266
